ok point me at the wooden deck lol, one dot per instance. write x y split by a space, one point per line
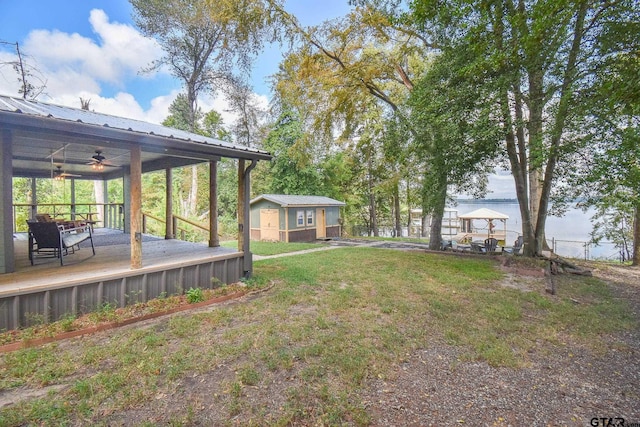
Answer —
85 281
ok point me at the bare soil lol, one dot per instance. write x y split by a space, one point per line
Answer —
567 385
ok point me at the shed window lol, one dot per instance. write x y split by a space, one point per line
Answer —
310 217
300 216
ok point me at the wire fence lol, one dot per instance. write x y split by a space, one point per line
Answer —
608 251
579 249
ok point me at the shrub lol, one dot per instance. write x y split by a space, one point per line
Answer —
195 295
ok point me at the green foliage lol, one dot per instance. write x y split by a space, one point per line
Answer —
292 170
607 174
105 312
195 295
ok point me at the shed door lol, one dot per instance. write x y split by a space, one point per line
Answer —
269 225
321 224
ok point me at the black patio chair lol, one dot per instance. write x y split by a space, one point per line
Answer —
490 245
477 247
54 240
517 246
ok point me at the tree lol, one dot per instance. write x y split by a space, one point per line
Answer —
182 117
247 128
202 45
292 172
459 132
609 176
543 55
26 75
371 52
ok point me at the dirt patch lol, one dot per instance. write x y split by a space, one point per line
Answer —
564 385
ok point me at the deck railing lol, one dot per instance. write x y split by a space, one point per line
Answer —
108 215
198 232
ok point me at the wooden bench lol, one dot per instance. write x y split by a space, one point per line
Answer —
56 240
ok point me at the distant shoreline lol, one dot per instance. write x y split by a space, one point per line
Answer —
485 201
495 201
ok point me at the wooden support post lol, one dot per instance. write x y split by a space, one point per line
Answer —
214 240
135 201
126 206
244 228
168 225
241 224
73 199
7 257
34 200
101 209
286 225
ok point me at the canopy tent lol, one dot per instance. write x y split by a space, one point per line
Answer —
484 213
489 215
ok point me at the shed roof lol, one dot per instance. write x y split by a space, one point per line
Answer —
484 213
286 200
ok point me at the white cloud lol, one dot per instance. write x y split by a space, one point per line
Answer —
119 53
76 66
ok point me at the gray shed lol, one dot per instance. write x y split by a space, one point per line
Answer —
291 218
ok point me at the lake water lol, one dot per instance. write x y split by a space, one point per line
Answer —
569 234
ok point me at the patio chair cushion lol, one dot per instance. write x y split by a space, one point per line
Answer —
72 239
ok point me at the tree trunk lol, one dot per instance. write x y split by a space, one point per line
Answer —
192 201
439 202
98 191
515 138
396 203
536 135
373 216
423 225
566 95
635 260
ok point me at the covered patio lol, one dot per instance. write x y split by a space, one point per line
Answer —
31 133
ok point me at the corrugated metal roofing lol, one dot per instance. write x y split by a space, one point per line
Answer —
43 109
285 200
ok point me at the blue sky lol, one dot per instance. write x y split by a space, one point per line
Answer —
91 49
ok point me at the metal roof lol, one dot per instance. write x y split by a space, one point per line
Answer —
285 200
44 134
43 109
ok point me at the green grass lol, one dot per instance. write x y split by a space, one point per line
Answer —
332 320
272 248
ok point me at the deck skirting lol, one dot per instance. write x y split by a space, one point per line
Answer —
30 306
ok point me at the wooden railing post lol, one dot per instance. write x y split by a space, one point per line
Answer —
169 232
135 202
